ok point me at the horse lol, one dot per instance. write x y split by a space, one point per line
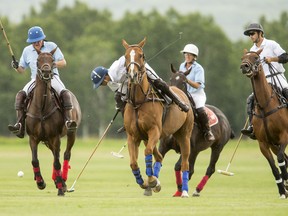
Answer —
45 123
270 119
220 127
144 120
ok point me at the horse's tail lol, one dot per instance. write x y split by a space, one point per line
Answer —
232 134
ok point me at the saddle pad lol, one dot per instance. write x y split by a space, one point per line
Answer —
213 119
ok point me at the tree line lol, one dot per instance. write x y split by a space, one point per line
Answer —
90 37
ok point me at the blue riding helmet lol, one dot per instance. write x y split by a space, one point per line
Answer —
98 75
35 34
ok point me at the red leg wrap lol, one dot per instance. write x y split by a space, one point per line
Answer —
65 168
178 177
202 183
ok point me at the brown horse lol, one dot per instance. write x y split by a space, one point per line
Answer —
220 127
143 120
45 123
270 120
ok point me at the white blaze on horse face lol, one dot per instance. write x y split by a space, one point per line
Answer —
132 59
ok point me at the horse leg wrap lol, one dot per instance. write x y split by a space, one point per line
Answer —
58 181
65 168
283 169
138 176
37 174
185 178
202 183
178 178
148 161
157 167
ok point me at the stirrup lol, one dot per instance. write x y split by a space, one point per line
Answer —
71 125
15 128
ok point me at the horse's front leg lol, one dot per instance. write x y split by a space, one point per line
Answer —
151 148
279 181
35 163
67 155
283 166
185 152
57 174
133 148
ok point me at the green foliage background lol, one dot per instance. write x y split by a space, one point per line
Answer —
89 38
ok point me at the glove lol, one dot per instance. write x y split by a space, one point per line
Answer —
15 64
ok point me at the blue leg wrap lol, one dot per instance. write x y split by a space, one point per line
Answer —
157 167
185 178
138 177
148 160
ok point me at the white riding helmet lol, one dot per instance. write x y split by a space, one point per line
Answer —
191 48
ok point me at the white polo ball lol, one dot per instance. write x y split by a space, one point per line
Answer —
20 174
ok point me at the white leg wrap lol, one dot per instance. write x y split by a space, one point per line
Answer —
279 181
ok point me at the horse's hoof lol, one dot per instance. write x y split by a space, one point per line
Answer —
177 193
61 192
144 185
157 188
196 194
148 192
184 194
41 185
153 182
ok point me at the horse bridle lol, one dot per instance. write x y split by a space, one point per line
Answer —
251 68
46 68
142 71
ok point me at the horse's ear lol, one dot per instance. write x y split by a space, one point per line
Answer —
142 43
188 71
172 68
259 51
125 44
53 51
245 51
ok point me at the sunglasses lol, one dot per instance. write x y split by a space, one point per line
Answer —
251 33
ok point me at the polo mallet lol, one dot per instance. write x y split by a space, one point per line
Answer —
225 172
8 44
118 154
72 189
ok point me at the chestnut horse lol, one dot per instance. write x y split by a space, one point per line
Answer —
143 120
220 127
45 123
270 119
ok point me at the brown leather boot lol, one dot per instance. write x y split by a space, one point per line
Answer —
161 85
19 128
70 124
204 123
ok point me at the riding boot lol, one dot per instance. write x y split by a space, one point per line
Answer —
161 85
120 105
70 124
204 124
249 130
19 128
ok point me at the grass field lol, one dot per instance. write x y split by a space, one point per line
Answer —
107 186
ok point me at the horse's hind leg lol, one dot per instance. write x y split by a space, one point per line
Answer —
35 163
215 153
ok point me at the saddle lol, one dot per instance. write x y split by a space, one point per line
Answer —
213 119
55 97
